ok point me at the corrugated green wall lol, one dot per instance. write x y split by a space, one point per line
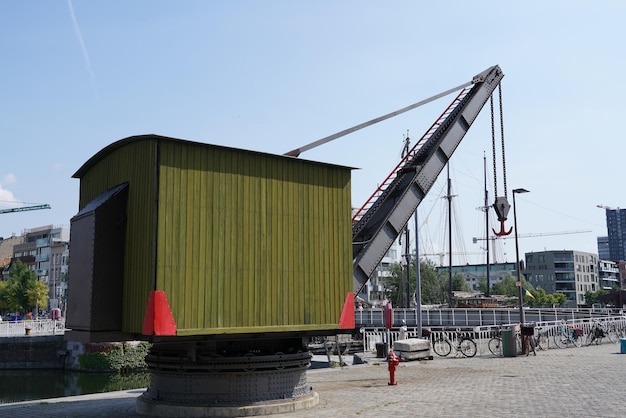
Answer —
250 242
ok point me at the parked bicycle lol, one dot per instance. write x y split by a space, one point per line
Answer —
568 335
529 341
541 339
614 332
462 343
596 334
495 344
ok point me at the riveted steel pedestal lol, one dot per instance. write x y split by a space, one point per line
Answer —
242 378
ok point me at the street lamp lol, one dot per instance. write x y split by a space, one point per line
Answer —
519 279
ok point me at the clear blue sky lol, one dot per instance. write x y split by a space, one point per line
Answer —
274 75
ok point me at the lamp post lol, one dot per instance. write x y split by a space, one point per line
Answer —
519 278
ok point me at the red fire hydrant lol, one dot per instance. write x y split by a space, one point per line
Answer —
392 363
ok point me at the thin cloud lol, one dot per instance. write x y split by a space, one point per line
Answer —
7 200
83 48
9 179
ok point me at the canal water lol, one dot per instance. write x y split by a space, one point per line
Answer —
26 385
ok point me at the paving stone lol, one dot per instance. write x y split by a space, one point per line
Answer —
572 382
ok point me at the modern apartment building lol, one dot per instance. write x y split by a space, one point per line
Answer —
608 273
45 251
603 248
616 229
565 271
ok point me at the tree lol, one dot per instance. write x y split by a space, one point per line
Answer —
23 291
433 284
505 287
541 299
395 285
460 284
592 298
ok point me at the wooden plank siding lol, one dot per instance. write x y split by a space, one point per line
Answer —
249 242
239 241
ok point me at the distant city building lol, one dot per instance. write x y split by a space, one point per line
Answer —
566 271
45 251
608 273
622 272
475 273
603 248
6 253
616 229
375 286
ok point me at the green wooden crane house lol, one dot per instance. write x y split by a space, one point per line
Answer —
180 238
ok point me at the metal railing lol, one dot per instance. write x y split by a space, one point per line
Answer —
482 334
473 317
33 327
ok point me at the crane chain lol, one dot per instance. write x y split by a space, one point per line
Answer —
493 144
493 147
502 138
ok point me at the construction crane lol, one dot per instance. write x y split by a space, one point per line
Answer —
441 255
605 207
532 234
26 208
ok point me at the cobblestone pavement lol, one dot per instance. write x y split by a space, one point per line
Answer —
573 382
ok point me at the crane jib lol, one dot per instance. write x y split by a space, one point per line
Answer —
378 227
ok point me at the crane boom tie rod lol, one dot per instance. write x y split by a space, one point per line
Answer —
296 152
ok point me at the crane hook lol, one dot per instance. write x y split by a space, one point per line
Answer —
502 232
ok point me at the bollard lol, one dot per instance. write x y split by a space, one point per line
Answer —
392 363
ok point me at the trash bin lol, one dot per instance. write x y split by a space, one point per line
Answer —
382 350
622 344
509 347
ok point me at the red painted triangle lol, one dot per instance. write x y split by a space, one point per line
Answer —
346 321
159 319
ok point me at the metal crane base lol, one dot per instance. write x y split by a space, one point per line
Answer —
229 379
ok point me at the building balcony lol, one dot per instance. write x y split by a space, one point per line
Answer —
42 257
43 242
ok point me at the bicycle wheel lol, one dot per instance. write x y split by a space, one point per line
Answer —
542 342
442 347
495 346
590 337
612 334
577 341
560 340
532 345
468 347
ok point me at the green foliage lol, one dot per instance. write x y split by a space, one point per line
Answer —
545 300
20 291
459 283
3 303
506 287
434 285
592 298
119 357
395 284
